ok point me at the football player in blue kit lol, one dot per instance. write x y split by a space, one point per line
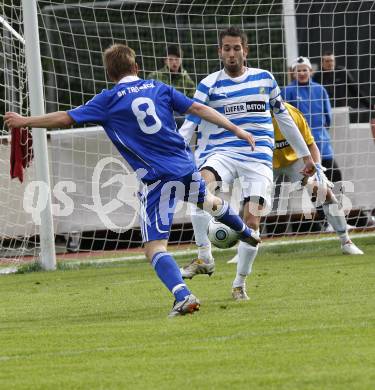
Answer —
137 116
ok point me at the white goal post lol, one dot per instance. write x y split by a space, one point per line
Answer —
35 81
52 60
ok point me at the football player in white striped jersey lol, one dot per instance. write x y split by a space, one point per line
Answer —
246 97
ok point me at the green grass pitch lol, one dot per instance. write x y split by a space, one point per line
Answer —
310 324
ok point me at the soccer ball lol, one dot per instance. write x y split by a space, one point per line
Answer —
221 235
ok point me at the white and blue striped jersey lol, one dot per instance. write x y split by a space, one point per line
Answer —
246 101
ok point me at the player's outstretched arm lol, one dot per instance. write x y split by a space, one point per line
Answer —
290 130
211 115
47 121
315 153
311 161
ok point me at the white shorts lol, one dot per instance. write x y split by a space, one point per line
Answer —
255 179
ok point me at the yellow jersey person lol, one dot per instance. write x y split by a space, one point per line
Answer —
286 162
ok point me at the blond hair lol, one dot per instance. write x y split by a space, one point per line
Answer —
119 61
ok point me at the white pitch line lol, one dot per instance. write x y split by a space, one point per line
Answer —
8 270
193 252
309 240
185 252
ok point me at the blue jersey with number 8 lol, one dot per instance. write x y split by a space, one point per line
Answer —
137 115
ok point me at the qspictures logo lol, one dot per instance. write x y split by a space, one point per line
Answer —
126 195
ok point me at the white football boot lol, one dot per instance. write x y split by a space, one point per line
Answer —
350 249
239 293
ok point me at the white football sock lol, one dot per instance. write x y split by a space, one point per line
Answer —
336 218
246 257
344 238
205 254
200 220
220 210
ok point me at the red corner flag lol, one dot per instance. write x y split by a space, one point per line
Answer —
21 152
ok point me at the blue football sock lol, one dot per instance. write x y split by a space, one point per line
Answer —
169 273
229 217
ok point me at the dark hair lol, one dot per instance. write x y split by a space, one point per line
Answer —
328 53
119 61
174 50
233 32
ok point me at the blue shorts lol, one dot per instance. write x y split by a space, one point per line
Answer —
159 199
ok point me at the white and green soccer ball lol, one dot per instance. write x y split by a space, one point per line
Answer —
221 235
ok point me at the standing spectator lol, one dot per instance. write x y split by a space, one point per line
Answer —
312 100
173 73
342 88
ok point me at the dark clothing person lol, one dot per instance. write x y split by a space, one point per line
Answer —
343 92
173 73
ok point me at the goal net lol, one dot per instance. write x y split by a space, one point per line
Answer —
94 192
18 233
